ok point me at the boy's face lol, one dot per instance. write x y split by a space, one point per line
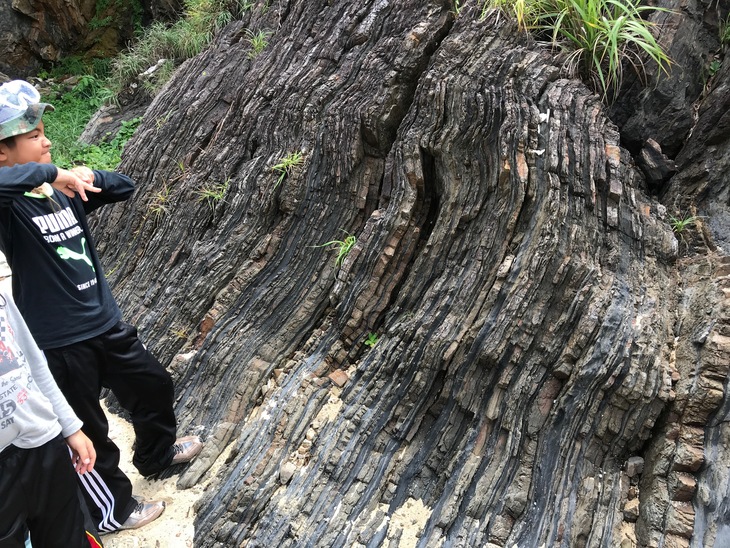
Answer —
33 146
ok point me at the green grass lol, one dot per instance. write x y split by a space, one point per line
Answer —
725 31
213 193
73 111
343 247
159 205
524 12
681 224
258 40
174 43
600 37
286 165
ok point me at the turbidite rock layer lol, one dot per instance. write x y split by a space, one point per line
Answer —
546 356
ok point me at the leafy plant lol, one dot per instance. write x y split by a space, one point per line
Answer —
343 247
715 65
681 224
73 111
598 35
286 165
258 40
372 340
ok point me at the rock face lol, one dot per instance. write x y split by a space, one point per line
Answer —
664 107
34 34
545 355
36 31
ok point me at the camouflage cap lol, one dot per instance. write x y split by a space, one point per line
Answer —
20 109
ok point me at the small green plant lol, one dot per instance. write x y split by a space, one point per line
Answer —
725 31
242 6
286 165
213 192
162 120
179 332
258 40
681 224
715 65
160 201
343 247
372 340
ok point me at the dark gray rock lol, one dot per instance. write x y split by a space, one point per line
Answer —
35 32
535 314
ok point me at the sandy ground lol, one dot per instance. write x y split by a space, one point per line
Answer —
174 528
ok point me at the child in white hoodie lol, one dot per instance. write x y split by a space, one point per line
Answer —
40 446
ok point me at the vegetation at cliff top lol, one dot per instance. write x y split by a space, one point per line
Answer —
151 59
161 47
598 36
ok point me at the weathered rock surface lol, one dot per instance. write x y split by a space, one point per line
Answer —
35 31
34 34
664 107
549 354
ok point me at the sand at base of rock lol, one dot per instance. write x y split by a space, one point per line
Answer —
174 528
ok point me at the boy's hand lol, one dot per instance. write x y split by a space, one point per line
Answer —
83 173
79 181
83 455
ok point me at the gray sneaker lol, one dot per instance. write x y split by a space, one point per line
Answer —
186 449
145 512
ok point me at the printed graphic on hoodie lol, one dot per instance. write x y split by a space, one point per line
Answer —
13 382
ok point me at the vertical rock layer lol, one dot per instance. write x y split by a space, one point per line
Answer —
536 378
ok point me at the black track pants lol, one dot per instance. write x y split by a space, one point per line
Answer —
119 361
38 490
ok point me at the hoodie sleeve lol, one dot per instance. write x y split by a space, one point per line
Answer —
42 376
16 180
114 186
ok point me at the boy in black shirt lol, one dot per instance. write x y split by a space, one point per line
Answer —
65 299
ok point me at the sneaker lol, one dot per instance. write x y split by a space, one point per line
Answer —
144 513
186 449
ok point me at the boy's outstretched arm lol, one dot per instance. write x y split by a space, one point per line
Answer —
20 178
